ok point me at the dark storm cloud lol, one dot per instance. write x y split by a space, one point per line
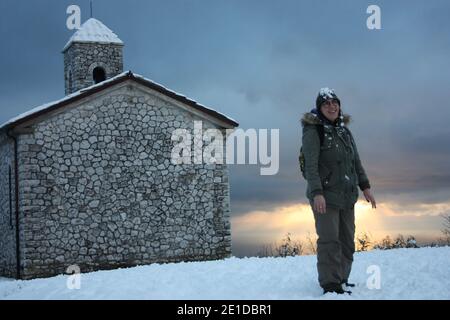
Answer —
251 191
262 63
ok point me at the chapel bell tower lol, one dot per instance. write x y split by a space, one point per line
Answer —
93 54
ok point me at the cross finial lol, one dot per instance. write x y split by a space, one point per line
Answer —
91 8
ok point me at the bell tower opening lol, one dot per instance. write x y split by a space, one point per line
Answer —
99 75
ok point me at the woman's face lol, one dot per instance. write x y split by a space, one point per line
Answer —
330 109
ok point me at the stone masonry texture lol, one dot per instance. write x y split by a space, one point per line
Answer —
97 189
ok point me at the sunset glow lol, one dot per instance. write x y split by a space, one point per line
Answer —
262 227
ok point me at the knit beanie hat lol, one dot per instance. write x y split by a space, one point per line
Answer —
324 95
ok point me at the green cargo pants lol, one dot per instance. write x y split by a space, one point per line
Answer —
335 244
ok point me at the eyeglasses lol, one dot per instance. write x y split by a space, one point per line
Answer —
329 103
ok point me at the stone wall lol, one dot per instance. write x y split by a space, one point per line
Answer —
80 59
99 189
7 208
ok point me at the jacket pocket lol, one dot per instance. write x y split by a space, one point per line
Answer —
325 176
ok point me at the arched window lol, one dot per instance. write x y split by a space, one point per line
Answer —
99 75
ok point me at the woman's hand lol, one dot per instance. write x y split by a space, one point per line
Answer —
369 197
319 204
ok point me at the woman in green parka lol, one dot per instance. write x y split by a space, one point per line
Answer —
334 172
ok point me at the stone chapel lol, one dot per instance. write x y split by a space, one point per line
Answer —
88 180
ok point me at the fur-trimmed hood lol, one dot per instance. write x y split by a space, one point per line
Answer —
312 118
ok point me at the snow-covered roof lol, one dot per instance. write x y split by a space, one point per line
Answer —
107 83
94 31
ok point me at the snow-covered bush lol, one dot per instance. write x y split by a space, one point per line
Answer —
363 242
399 242
446 229
287 248
384 244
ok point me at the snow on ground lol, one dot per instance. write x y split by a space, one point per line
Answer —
404 273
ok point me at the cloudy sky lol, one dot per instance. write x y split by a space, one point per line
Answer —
262 62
